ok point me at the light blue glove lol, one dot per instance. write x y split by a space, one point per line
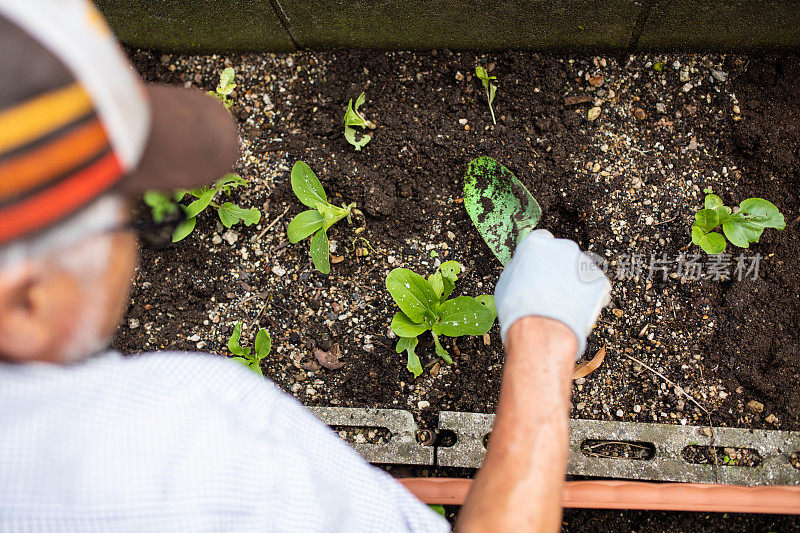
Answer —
552 278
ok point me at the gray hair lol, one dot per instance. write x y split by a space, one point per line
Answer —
79 246
68 244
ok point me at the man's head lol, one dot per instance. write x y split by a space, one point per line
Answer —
62 292
79 135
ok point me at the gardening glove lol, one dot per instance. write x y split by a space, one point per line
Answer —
552 278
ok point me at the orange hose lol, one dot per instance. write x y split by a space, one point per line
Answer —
635 495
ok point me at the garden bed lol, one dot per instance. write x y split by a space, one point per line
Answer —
625 184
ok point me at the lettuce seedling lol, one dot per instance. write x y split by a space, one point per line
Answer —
318 219
229 213
488 86
353 119
424 307
244 355
225 87
741 227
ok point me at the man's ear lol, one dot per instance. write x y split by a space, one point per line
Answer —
35 309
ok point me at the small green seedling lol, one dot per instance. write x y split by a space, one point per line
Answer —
225 87
353 119
244 355
318 219
490 87
741 227
424 306
438 508
229 213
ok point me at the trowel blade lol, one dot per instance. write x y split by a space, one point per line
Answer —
500 206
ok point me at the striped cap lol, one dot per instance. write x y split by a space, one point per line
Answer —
75 121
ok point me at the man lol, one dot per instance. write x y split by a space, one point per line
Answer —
192 442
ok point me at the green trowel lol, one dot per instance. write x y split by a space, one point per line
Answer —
500 206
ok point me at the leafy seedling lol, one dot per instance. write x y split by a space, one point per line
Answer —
228 212
424 307
741 227
318 219
225 87
500 206
244 355
353 119
488 86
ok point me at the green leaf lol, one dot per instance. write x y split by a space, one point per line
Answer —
230 214
502 209
350 136
740 233
441 352
437 284
161 205
713 201
762 212
711 243
450 270
304 225
352 117
226 86
331 214
706 219
228 182
263 344
320 252
233 342
409 344
197 207
438 509
487 300
463 316
405 327
412 293
307 187
184 229
492 90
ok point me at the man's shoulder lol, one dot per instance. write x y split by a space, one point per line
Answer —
176 371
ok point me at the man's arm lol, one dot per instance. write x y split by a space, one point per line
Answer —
519 486
548 299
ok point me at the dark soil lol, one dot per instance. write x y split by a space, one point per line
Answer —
758 345
408 181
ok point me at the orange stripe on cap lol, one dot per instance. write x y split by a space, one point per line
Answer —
32 169
37 117
60 200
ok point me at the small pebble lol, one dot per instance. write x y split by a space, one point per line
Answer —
424 404
755 406
133 323
278 270
687 87
639 113
462 121
593 113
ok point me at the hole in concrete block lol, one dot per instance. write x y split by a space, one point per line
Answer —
721 455
446 438
363 434
618 449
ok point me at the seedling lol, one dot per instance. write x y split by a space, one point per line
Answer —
318 219
244 355
352 120
225 87
424 306
229 213
741 227
488 86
